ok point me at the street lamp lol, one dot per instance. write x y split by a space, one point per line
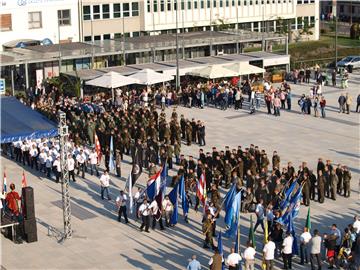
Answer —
177 79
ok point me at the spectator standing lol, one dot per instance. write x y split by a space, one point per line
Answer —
193 264
249 256
105 183
287 251
121 204
268 253
305 238
315 251
322 107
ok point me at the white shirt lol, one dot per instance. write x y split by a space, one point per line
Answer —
93 158
71 164
259 211
144 209
249 253
42 157
305 237
287 245
167 205
356 226
33 152
105 180
57 165
233 259
48 162
269 250
81 158
121 200
154 206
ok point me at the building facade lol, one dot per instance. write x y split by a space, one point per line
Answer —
50 21
347 11
110 19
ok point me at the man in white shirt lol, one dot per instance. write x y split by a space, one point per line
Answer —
42 160
156 213
48 164
33 155
260 214
233 260
287 250
268 253
93 157
168 209
305 238
71 167
138 200
121 204
249 256
144 212
356 224
57 168
80 159
105 183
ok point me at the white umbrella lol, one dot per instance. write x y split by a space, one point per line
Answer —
149 77
244 68
213 72
112 80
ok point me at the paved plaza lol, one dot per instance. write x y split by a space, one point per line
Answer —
100 242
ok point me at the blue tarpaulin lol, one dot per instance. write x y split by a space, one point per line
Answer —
19 122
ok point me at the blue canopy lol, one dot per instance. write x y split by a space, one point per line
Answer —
19 122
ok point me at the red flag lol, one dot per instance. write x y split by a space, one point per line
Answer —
201 189
97 148
23 180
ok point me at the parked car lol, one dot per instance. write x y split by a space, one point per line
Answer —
351 62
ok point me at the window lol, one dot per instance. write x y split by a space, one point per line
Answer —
221 3
306 1
117 36
136 34
208 4
195 4
148 6
189 4
105 11
135 9
87 38
306 21
214 3
126 9
162 5
155 6
5 22
86 13
233 3
312 21
35 20
96 12
168 5
64 17
239 2
175 5
341 8
250 2
182 4
117 10
97 37
227 3
293 24
256 2
299 22
106 36
299 2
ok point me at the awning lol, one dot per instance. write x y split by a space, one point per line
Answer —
19 122
150 77
213 72
112 80
244 68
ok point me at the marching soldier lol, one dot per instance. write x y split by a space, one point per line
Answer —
118 163
275 160
207 229
306 190
339 174
321 187
333 183
227 173
346 179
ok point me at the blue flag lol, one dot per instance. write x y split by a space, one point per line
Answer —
220 248
228 201
173 196
291 230
293 208
111 158
285 202
235 210
182 195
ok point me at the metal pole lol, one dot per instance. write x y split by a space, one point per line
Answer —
182 37
124 40
63 137
336 34
92 44
211 29
12 81
26 76
177 48
59 47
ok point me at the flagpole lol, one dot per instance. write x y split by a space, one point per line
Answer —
238 228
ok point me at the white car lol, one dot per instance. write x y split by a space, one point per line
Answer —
353 61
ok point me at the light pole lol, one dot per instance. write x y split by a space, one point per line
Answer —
124 40
177 48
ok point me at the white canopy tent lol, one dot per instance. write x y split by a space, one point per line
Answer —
213 72
112 80
244 68
149 77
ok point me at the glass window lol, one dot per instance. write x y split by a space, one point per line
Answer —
96 12
64 17
312 21
87 38
221 3
195 4
182 4
35 20
306 1
162 5
105 11
106 36
169 5
136 34
208 4
306 21
341 8
148 6
135 9
256 2
299 22
175 5
227 3
126 9
239 2
117 36
214 3
97 37
299 2
189 4
250 2
86 13
155 6
5 22
233 3
117 10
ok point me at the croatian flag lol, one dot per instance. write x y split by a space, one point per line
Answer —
201 189
154 185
